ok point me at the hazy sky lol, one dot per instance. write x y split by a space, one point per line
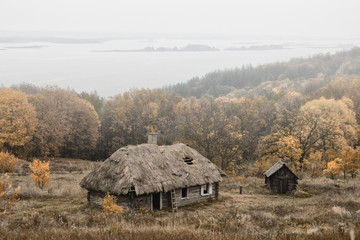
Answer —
329 18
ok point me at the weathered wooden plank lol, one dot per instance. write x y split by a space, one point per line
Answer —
145 201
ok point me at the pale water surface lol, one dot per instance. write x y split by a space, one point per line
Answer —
82 67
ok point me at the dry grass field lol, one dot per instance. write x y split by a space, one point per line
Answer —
319 209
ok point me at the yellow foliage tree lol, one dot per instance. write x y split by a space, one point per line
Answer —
7 162
352 160
333 167
290 151
348 162
275 147
17 118
323 124
110 206
8 195
319 126
41 173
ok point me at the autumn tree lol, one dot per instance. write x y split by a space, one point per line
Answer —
68 126
321 125
128 118
94 99
275 147
352 92
257 115
315 163
339 87
17 119
84 129
8 195
210 127
280 144
40 173
27 88
325 124
333 168
51 110
347 162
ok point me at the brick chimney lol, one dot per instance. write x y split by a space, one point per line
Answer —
152 138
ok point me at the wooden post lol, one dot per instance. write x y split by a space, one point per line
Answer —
216 190
240 189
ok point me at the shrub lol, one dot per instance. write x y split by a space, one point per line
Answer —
8 162
41 173
110 206
8 195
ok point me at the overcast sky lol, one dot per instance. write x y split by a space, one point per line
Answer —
324 18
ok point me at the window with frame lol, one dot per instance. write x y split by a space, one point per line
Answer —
184 192
206 189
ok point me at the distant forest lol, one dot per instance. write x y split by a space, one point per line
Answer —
300 74
305 112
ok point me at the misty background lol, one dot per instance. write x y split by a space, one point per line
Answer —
112 46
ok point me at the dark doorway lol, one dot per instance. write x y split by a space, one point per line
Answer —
156 201
283 185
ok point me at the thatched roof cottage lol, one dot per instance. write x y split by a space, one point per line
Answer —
280 179
149 176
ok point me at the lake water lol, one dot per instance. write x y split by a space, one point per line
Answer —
80 67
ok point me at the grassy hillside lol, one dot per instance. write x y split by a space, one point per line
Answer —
303 74
319 209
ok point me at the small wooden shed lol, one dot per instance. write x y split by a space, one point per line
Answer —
280 179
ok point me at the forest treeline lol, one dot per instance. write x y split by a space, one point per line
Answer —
316 132
301 74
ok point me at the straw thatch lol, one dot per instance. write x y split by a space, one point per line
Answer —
149 168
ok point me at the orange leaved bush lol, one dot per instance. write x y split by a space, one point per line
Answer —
40 173
7 162
8 195
110 206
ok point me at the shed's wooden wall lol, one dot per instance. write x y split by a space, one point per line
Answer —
283 174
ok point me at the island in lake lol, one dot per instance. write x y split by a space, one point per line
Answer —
26 47
256 48
188 48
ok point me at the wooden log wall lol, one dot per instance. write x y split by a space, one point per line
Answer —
145 201
193 196
142 202
137 202
95 197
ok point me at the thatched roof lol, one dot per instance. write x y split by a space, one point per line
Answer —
276 167
151 168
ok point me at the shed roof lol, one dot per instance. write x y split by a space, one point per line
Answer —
277 166
151 168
